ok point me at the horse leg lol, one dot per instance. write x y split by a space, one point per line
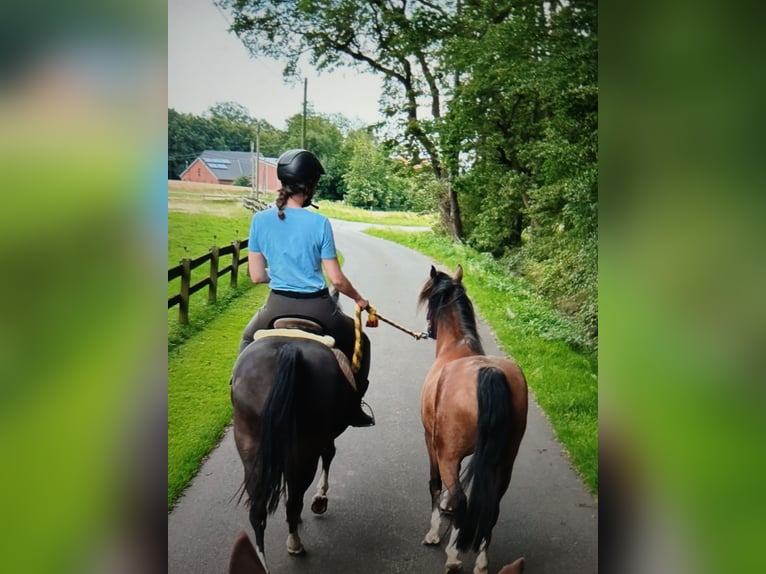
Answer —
435 488
258 522
481 566
246 438
297 485
319 502
453 504
453 562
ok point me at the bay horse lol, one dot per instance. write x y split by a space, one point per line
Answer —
471 404
291 399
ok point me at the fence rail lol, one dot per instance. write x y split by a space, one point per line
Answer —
184 269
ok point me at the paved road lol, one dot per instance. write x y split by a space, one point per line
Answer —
379 504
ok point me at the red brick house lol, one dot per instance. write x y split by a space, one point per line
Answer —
223 167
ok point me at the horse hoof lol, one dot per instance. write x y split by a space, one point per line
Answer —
319 505
296 551
295 546
431 539
454 567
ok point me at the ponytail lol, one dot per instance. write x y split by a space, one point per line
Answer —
286 191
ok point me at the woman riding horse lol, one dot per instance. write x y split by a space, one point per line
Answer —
298 244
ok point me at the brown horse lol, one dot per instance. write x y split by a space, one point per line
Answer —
290 400
471 404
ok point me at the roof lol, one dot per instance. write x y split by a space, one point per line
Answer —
229 165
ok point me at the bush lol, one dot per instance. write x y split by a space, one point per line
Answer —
242 180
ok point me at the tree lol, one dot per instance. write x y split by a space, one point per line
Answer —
325 140
230 111
527 107
400 40
222 127
368 175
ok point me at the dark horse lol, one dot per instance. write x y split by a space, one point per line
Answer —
291 401
471 404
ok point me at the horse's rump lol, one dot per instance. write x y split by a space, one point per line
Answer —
289 395
322 395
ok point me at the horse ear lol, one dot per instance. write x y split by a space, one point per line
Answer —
244 559
433 271
459 273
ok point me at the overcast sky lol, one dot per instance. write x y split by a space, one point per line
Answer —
207 64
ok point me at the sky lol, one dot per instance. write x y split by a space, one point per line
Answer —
207 65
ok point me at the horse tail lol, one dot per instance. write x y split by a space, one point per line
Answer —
493 432
277 429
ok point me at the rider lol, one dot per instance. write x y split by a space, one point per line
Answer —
298 244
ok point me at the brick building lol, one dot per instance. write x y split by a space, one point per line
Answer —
223 167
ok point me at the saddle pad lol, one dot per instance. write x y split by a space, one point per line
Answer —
326 340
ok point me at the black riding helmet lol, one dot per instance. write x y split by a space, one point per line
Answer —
299 166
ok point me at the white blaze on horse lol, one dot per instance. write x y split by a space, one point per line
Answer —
471 404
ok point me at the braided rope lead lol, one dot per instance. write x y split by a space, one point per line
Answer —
372 321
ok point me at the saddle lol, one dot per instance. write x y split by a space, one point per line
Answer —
300 328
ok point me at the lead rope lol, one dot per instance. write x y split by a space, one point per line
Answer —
372 321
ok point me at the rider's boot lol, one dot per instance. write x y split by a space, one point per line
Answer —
357 417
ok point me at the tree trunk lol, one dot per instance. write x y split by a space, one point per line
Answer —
457 224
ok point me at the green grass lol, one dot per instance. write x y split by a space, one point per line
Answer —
198 365
199 406
563 380
340 210
191 235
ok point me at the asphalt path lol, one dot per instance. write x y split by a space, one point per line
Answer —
379 505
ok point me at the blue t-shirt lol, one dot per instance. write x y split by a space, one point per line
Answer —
293 247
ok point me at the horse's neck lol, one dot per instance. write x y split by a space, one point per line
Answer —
451 341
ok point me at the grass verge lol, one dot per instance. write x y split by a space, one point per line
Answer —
191 235
564 381
340 210
199 407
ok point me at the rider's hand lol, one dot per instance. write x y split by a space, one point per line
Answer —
363 303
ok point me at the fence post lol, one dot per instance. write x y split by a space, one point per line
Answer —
235 264
183 306
213 289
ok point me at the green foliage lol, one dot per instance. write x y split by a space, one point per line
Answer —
231 112
368 179
325 139
375 181
242 180
225 127
527 108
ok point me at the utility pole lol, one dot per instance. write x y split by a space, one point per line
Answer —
303 135
257 158
252 171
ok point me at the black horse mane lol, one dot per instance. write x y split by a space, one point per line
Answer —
441 293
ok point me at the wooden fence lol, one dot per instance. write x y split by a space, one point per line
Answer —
184 269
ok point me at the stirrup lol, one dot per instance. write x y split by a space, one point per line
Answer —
361 419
